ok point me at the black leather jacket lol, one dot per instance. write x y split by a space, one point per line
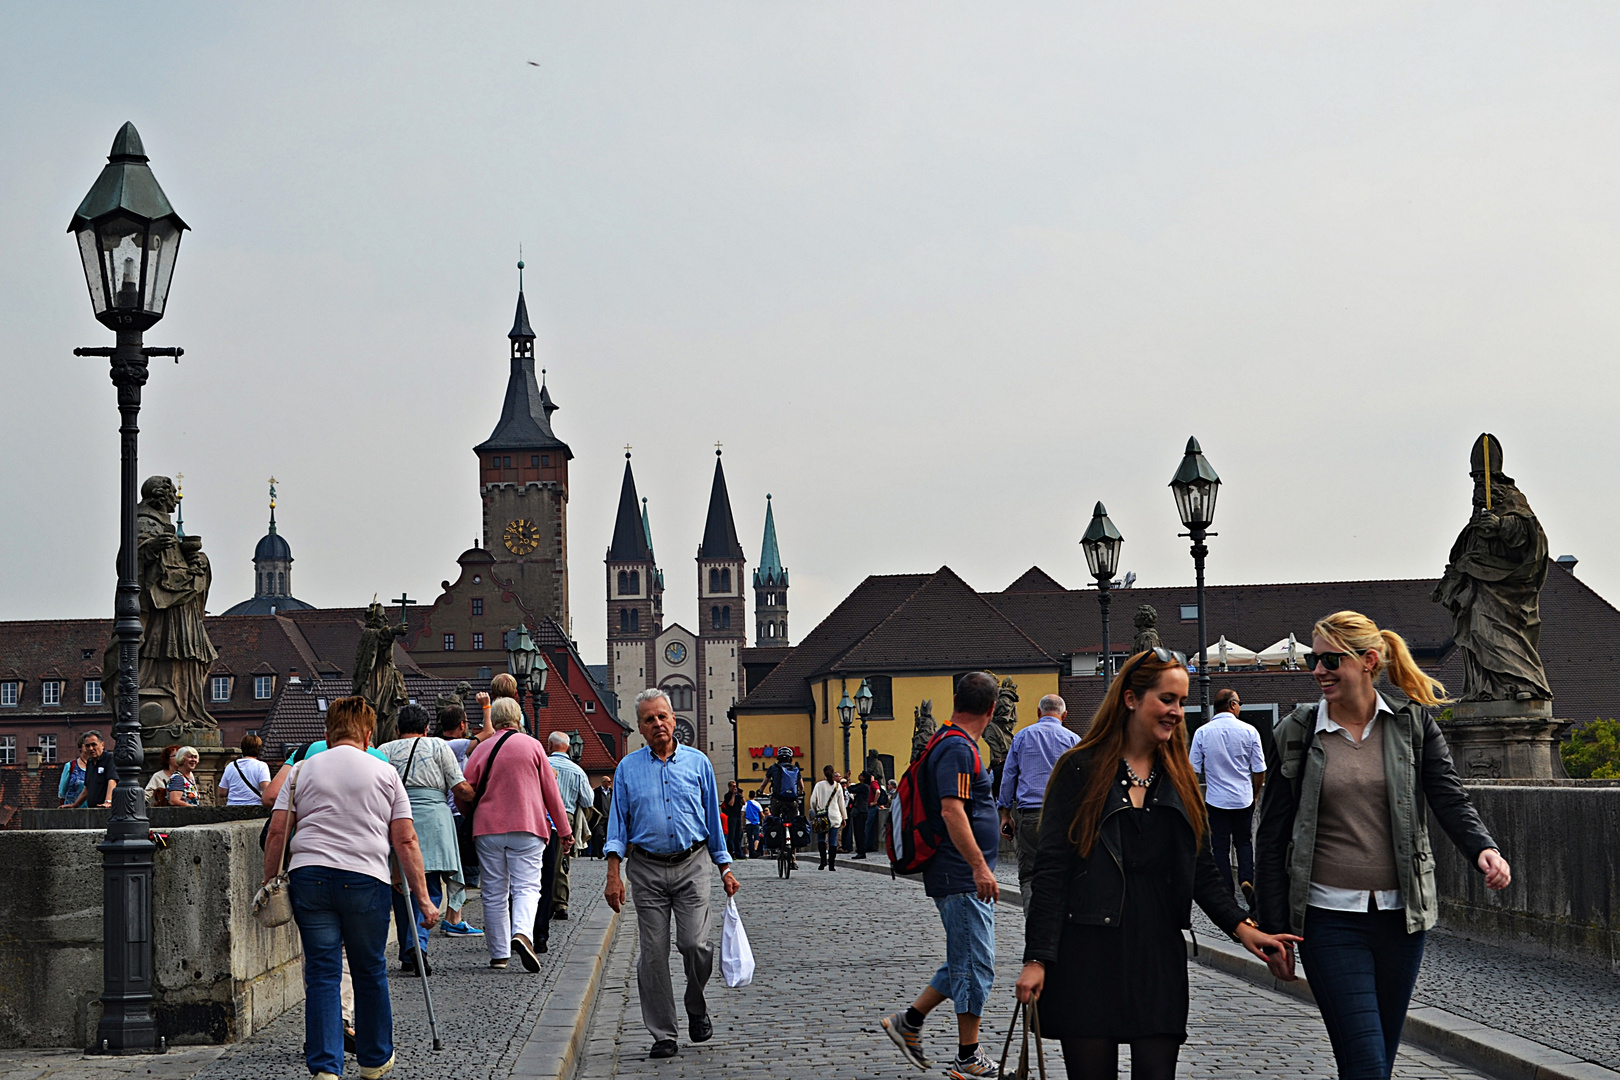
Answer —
1091 891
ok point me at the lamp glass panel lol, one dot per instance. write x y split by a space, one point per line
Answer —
90 256
1107 557
162 244
1093 551
863 700
541 670
1196 502
121 242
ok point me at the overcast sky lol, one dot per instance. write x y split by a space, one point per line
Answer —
939 277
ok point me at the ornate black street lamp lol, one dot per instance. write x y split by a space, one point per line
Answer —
1195 486
520 657
846 714
128 237
863 705
1101 544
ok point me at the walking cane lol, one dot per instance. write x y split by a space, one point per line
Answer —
421 961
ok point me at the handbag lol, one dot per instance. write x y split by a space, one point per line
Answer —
820 816
272 904
1032 1022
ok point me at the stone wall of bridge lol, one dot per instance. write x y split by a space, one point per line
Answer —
1563 839
218 975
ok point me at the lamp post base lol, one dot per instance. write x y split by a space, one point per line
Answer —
126 1025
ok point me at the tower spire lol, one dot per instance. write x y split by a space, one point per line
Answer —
770 570
630 542
720 531
273 506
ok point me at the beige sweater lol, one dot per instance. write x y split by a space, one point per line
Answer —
1354 845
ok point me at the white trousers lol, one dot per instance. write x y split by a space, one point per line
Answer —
509 870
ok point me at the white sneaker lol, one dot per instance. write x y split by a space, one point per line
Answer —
976 1068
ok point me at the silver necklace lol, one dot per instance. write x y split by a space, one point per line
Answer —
1137 781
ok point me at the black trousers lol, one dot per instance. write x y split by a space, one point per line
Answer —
1228 827
859 820
548 893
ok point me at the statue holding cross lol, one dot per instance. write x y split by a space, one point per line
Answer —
376 676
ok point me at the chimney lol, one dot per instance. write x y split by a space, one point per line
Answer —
1567 562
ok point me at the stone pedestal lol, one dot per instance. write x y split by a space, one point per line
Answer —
1505 740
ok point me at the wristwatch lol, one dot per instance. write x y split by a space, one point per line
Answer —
1246 922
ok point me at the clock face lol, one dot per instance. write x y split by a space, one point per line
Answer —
675 652
521 537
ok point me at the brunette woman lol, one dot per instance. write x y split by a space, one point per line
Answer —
1357 769
1123 853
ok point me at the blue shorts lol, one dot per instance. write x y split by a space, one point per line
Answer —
970 951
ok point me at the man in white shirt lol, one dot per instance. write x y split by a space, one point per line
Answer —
244 778
1229 755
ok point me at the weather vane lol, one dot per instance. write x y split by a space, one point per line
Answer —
179 504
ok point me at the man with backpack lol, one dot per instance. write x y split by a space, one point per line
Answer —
948 829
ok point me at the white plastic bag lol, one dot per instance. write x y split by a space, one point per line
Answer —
736 958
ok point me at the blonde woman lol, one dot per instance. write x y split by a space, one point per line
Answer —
1357 770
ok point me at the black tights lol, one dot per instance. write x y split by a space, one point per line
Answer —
1098 1059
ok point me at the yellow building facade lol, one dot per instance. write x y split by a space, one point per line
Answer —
910 636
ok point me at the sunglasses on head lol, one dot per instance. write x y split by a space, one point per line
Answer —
1329 660
1162 655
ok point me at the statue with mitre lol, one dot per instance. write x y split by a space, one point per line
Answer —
1492 587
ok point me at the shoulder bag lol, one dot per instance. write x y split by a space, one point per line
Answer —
272 904
1032 1022
483 781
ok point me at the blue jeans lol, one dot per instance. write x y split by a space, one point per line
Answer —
435 884
1362 967
970 951
338 911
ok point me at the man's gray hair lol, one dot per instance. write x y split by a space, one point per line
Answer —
1051 705
557 740
650 694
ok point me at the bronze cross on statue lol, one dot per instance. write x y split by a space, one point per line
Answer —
405 603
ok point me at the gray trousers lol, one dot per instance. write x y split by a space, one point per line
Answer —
1028 835
659 892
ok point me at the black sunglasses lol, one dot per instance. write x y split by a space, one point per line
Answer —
1329 660
1161 654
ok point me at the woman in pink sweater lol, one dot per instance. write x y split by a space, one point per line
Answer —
516 801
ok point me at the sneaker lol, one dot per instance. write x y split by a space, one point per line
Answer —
498 963
375 1072
974 1068
908 1039
462 929
525 952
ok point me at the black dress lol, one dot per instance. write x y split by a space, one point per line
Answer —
1126 982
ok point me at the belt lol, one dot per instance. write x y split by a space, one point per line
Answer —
668 860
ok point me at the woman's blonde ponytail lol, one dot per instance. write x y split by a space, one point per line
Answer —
1353 632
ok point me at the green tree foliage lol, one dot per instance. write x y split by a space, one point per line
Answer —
1593 751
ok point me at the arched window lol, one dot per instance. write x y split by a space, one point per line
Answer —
725 618
624 583
635 621
635 582
770 630
680 697
281 584
781 630
714 616
624 621
261 582
725 580
714 580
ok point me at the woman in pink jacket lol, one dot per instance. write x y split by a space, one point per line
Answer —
516 801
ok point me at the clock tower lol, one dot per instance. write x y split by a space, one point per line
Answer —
523 478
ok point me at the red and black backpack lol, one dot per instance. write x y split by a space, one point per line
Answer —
914 834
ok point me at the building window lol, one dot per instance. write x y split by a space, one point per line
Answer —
882 695
8 749
47 749
263 686
478 605
545 459
8 694
680 697
590 706
635 582
781 630
506 463
219 688
483 673
281 584
624 621
714 617
714 580
50 692
624 583
478 642
725 618
92 692
635 621
725 580
534 460
449 643
770 630
260 577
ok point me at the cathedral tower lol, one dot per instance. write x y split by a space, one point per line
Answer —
770 590
272 573
635 599
722 627
523 478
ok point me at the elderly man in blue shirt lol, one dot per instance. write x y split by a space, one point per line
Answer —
577 797
666 809
1023 782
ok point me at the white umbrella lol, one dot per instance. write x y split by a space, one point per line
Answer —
1231 654
1283 653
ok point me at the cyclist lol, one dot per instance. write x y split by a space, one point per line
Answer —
787 791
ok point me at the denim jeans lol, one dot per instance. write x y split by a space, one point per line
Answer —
970 951
1362 967
340 911
435 884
